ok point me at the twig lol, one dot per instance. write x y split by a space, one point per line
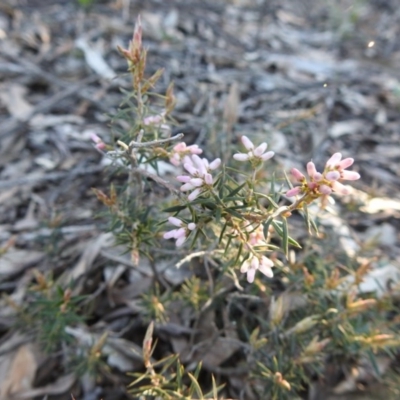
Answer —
197 254
155 142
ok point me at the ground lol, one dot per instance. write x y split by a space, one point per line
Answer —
309 77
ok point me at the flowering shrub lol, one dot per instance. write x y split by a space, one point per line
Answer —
238 220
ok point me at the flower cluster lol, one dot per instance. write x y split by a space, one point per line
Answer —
157 121
323 184
180 151
255 237
200 180
256 156
180 234
254 263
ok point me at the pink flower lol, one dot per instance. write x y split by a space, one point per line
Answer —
100 145
297 175
180 151
256 235
322 185
335 163
254 263
255 155
156 121
200 179
294 191
180 234
153 119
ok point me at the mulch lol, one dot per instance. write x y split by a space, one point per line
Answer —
309 78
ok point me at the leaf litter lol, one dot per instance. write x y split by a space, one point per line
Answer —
289 76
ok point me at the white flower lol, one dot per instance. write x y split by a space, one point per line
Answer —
200 179
257 154
180 234
254 263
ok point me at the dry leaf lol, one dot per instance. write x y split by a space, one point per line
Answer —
15 260
12 97
21 372
61 386
95 60
85 263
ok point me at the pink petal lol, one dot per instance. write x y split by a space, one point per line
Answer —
197 182
215 164
191 226
332 175
255 262
350 175
241 157
247 143
186 187
183 178
100 146
334 160
311 170
318 176
180 241
175 160
325 189
346 163
180 147
251 273
170 234
194 194
294 191
266 270
181 232
191 169
267 155
245 267
95 138
200 164
187 160
339 188
175 221
297 175
208 179
258 151
194 149
266 261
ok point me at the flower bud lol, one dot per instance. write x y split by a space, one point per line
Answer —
283 383
304 325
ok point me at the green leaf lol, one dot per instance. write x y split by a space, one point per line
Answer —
194 387
372 358
266 226
222 233
277 228
238 253
218 215
174 209
227 245
179 374
237 190
234 213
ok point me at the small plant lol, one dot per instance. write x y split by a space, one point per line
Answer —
234 218
167 378
48 312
